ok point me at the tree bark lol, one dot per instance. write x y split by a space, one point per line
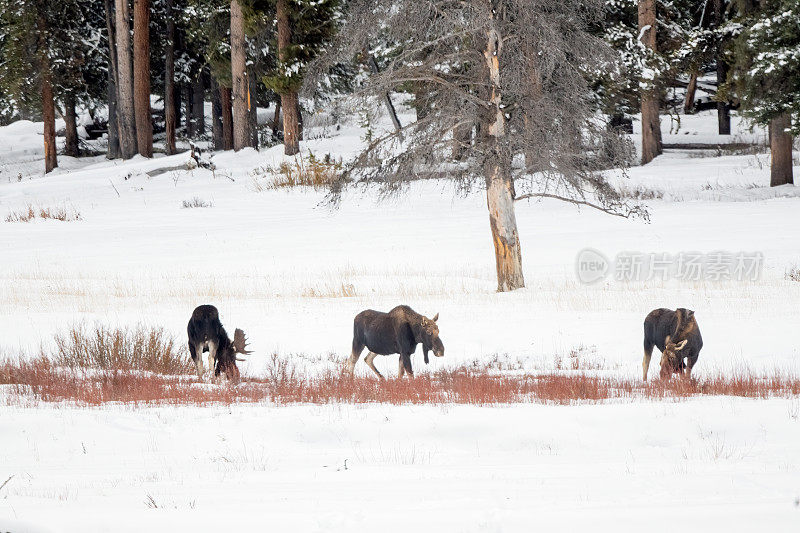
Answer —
691 90
252 110
651 123
499 183
276 119
198 104
71 127
170 119
780 142
723 107
241 134
289 100
125 108
48 105
113 151
141 77
291 123
187 115
216 116
227 119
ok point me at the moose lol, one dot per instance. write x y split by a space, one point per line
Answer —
396 332
677 336
206 334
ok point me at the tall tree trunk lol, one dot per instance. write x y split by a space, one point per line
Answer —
113 128
141 77
499 183
289 100
169 81
780 141
691 90
651 122
178 92
216 116
48 105
227 119
125 109
252 109
187 115
198 104
70 127
276 119
241 133
291 123
723 107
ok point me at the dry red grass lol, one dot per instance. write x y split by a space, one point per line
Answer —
41 380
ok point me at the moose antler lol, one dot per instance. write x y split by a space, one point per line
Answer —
240 342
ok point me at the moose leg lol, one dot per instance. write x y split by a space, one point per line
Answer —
401 369
405 362
354 355
690 361
212 358
368 359
197 357
648 353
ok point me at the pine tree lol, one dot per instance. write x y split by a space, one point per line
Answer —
767 75
303 29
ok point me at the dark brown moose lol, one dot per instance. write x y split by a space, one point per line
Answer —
396 332
206 334
677 335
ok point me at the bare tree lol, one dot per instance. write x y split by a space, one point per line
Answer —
241 125
651 121
510 72
141 77
125 110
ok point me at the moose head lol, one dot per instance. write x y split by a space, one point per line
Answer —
227 356
671 360
430 337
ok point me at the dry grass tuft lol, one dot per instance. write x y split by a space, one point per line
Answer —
195 202
793 274
343 290
52 213
100 347
310 171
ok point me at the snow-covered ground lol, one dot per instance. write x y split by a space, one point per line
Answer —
292 272
706 465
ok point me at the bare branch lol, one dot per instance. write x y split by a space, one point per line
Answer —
630 212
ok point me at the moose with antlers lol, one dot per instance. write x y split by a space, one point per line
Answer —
206 334
677 335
